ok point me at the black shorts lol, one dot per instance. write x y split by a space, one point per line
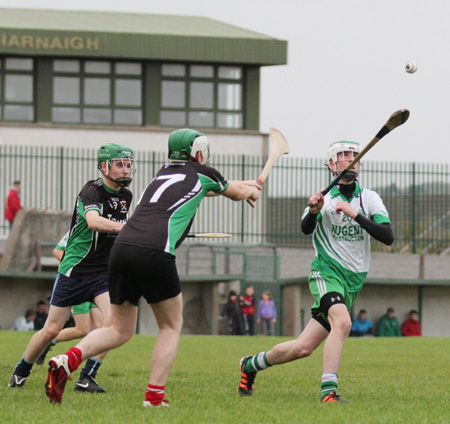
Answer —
69 291
138 271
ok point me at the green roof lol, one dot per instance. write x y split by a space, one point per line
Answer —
134 35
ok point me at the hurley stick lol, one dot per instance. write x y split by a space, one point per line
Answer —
279 148
395 120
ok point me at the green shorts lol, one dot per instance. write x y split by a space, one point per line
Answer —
320 284
83 308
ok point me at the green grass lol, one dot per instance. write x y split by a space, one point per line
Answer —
386 381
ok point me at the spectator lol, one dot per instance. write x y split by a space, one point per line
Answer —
232 311
267 314
411 327
41 315
362 326
388 325
25 322
13 203
248 310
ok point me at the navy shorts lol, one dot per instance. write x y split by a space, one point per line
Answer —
138 271
69 291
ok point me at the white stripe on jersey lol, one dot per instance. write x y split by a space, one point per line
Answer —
194 191
340 237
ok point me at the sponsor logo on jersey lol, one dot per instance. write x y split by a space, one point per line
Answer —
123 206
347 233
111 218
92 206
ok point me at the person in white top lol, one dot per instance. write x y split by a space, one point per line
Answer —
341 223
25 322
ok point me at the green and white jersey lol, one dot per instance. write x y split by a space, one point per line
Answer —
87 251
63 242
342 246
168 205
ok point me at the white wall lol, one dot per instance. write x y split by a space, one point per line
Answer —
138 139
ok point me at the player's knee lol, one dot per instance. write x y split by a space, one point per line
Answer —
302 351
122 334
342 325
50 332
82 332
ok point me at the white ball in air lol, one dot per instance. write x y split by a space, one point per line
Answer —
410 67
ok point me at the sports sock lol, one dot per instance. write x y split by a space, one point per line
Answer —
91 368
329 383
75 358
257 363
154 394
23 367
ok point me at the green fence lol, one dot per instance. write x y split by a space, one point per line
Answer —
416 194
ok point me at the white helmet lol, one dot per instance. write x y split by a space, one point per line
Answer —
340 147
201 144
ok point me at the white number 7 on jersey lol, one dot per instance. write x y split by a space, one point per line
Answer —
171 179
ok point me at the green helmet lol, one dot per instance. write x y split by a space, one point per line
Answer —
110 151
185 143
113 151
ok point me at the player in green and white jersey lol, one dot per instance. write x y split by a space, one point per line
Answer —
342 223
142 262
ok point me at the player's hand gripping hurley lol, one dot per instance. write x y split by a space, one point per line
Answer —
395 120
279 148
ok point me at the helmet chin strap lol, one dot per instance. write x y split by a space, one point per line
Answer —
121 182
350 176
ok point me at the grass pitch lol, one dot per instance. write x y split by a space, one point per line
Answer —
398 380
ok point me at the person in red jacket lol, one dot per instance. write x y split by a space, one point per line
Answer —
411 327
248 310
13 203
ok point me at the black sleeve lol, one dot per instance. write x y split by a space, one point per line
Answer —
90 195
381 232
225 310
309 223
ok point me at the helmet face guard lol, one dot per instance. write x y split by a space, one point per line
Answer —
115 152
201 145
341 147
184 144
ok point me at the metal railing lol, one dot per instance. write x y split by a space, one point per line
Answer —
416 194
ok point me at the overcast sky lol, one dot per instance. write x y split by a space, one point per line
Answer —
345 74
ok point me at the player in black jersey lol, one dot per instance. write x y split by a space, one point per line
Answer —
99 215
142 261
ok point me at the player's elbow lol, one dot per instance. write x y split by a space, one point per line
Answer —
390 238
390 241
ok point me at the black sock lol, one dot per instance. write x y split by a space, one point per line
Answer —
91 368
24 367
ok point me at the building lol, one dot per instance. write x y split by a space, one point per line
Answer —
72 79
83 78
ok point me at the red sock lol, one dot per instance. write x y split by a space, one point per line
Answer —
154 394
75 358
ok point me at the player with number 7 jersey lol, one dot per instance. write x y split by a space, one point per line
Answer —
142 261
167 207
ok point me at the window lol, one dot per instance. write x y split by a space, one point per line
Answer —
97 92
16 89
201 96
